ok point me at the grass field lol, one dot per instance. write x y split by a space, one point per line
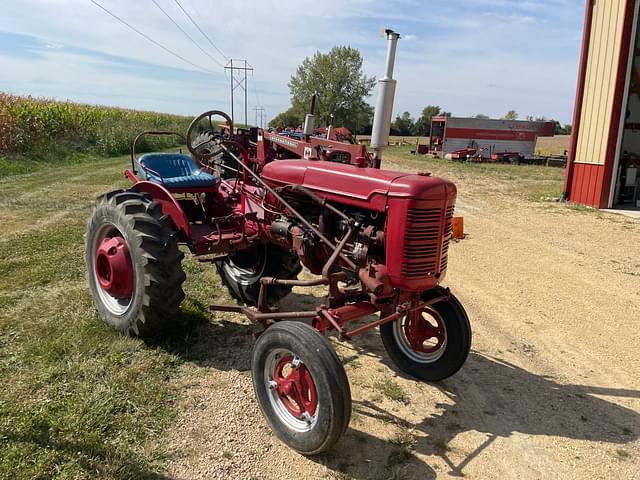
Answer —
546 145
553 145
530 182
79 400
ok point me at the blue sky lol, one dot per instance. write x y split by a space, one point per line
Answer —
469 56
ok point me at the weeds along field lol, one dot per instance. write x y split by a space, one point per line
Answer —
37 131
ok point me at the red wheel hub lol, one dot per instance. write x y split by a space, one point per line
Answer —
418 330
295 386
114 269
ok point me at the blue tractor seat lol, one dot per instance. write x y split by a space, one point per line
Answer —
174 170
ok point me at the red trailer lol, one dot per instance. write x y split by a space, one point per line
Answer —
486 139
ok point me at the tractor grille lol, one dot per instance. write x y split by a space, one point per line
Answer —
448 230
423 240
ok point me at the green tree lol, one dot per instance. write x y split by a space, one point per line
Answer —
288 118
510 115
482 116
422 125
362 120
341 87
403 124
562 129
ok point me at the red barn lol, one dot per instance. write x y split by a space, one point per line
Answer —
604 154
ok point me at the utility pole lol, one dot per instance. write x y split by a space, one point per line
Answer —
239 81
261 110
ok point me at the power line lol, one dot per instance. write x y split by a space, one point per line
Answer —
255 89
262 115
241 82
152 40
186 34
201 31
259 107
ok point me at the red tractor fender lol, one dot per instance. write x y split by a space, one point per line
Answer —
170 205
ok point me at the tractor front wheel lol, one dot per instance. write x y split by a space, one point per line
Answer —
133 261
431 344
301 387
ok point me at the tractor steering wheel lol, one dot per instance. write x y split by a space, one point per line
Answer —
198 147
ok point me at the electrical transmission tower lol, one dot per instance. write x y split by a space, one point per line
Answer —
239 80
262 115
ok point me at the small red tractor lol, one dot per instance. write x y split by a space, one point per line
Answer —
261 205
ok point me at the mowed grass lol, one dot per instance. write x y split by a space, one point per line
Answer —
555 145
528 182
78 400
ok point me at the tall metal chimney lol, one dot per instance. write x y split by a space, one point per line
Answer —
384 103
309 118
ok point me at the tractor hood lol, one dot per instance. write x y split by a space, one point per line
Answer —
356 186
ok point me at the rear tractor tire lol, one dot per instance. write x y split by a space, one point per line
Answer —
241 272
431 344
133 262
301 387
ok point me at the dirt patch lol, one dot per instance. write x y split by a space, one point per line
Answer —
550 390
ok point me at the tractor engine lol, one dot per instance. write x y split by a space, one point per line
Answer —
402 221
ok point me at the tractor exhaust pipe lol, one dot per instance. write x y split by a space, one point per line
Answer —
384 103
309 119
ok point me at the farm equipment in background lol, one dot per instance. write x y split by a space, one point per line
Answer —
482 155
260 206
329 144
480 139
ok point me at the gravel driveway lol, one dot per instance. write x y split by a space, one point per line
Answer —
550 390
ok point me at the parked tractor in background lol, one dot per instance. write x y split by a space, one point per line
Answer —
260 206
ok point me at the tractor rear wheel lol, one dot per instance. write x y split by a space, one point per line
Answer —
134 264
241 272
301 387
431 344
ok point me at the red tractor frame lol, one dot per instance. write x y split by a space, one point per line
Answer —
260 206
377 239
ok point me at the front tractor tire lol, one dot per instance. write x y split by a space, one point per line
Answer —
431 344
301 387
133 262
242 271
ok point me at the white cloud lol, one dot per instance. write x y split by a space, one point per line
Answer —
449 55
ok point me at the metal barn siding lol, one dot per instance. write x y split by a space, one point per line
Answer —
600 91
492 134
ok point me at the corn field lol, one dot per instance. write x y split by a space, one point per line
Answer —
42 129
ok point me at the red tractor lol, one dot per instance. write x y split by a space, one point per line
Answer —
247 202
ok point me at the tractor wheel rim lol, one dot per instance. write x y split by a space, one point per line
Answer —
422 335
113 270
292 391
